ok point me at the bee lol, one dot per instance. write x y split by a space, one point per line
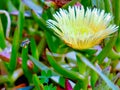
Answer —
25 43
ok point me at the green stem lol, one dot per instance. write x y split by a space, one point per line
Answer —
108 6
81 64
2 37
101 4
117 21
13 57
27 72
117 11
88 63
21 19
9 22
36 81
106 50
16 39
114 55
41 46
66 73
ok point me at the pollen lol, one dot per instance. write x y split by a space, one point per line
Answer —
82 29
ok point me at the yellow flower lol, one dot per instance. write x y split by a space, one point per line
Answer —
82 29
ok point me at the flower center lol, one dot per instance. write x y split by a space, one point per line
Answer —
85 30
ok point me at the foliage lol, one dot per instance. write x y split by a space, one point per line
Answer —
33 57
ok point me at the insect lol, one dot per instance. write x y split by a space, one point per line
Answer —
25 43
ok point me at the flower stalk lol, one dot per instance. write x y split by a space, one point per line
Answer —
9 22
